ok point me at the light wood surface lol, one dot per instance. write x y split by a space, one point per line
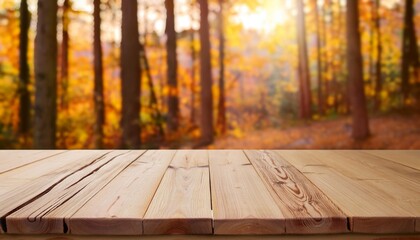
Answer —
410 158
12 159
350 187
23 184
119 208
182 202
225 194
306 208
48 211
241 202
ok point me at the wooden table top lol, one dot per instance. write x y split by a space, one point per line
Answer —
211 192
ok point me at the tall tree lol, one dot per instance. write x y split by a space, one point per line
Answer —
207 128
193 68
24 97
410 54
46 75
319 59
171 59
221 114
130 75
304 76
378 78
98 69
65 52
355 72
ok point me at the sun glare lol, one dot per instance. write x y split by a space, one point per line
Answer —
266 17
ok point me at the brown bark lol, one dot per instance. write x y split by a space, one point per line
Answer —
171 60
304 76
24 97
46 75
221 114
378 79
319 60
98 69
410 55
193 69
207 129
130 76
355 70
372 29
65 54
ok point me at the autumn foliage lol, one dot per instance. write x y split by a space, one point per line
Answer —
192 73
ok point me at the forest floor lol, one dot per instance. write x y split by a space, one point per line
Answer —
391 131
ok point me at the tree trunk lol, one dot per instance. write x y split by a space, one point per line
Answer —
65 54
130 76
410 54
304 76
355 70
372 28
193 68
46 75
221 114
24 97
207 129
171 60
319 60
378 79
98 68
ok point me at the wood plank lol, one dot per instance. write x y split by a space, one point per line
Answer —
349 187
49 211
402 184
349 236
241 202
306 208
182 202
25 182
22 184
410 158
118 209
12 159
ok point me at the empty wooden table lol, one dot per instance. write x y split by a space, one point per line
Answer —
198 194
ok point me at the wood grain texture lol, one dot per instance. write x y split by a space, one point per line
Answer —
350 187
351 236
118 208
20 185
182 202
241 202
306 208
401 185
230 192
12 159
49 211
410 158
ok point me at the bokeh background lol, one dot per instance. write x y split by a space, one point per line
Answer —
261 74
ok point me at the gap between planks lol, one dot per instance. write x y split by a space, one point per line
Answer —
359 189
307 209
210 191
45 211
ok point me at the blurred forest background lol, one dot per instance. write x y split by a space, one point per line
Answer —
209 73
